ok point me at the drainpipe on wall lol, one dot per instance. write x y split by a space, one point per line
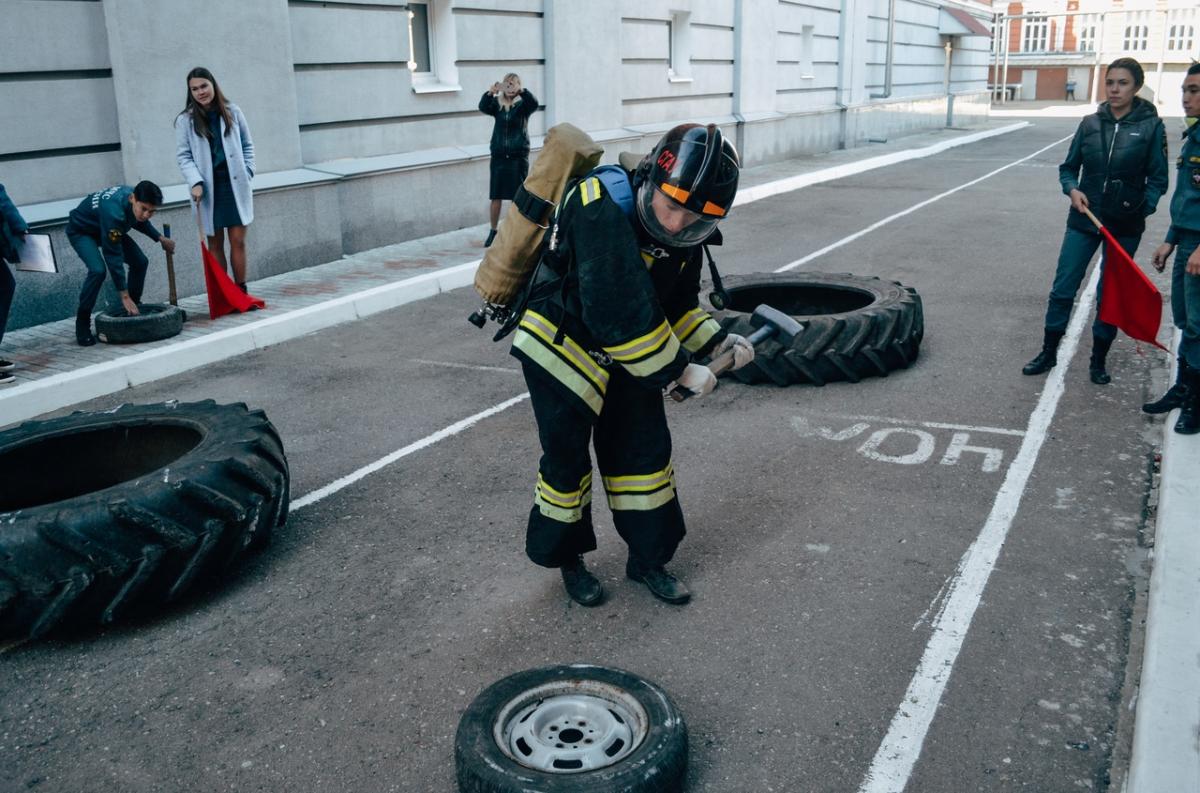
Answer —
891 46
740 131
946 82
844 69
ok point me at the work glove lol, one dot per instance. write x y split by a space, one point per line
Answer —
696 378
743 350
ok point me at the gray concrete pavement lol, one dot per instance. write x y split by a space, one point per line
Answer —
54 374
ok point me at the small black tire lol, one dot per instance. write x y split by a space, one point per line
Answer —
854 326
106 514
657 763
156 321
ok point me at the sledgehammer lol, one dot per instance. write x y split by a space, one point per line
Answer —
768 321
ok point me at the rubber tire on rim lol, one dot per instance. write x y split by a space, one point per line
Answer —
107 513
657 765
156 321
855 326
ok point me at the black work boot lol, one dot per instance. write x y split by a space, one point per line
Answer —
1176 395
1096 369
581 585
661 584
1189 416
1047 359
83 328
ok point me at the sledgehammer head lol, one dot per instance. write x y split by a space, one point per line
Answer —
772 321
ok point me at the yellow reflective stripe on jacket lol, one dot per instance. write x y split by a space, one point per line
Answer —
589 190
560 506
641 491
701 336
546 330
559 369
647 354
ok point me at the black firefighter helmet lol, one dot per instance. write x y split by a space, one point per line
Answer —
695 168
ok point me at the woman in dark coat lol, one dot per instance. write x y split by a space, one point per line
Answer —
1121 150
13 229
511 105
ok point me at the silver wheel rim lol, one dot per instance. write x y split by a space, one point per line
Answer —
570 726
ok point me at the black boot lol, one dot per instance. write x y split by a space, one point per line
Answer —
661 584
1047 359
1189 416
1176 395
581 585
1096 368
83 328
490 238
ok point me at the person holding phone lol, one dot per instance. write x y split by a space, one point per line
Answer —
511 105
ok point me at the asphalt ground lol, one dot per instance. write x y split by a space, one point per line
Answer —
821 552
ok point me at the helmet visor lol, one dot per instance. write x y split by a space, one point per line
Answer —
670 222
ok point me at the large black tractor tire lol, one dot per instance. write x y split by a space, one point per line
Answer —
854 326
571 729
156 321
106 514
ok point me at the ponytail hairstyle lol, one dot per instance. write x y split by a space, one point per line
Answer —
1133 67
198 113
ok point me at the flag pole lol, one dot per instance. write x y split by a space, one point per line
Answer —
1093 218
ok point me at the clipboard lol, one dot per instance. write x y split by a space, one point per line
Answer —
37 254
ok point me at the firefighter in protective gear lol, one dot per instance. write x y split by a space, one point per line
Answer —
614 319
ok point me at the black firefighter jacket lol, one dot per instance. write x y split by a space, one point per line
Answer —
1124 165
621 301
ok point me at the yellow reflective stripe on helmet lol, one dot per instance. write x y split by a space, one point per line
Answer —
589 190
546 330
642 345
559 369
702 335
563 507
640 492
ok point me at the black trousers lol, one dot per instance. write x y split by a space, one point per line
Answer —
8 285
633 453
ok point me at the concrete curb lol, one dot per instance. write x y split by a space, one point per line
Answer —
1166 731
69 388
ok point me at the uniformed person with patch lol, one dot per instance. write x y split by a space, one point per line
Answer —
614 320
1183 238
98 230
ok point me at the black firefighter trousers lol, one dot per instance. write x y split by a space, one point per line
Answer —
633 452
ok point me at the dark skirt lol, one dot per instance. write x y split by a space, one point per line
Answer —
508 172
225 211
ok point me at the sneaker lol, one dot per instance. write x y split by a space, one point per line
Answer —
6 378
581 585
490 238
661 584
7 366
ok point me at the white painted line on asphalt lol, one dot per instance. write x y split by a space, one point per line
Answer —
881 223
936 425
749 194
897 754
416 446
473 367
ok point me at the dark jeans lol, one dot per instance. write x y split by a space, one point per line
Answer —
8 285
1185 299
1077 250
88 249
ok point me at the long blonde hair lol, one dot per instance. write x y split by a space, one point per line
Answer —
502 98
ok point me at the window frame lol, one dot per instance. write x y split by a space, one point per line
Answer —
440 36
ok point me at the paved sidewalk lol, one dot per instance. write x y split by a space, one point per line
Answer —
54 372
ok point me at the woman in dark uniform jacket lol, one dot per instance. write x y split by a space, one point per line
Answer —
511 105
12 231
1121 150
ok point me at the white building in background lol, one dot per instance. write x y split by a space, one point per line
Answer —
364 112
1042 45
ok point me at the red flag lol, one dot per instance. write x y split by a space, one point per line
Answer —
224 296
1128 298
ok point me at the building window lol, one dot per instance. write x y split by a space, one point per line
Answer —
432 47
1137 31
1181 32
1035 34
679 31
1086 42
806 52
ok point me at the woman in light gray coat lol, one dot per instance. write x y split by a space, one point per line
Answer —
216 155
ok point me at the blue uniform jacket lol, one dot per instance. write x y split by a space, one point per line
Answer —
11 224
1185 203
107 216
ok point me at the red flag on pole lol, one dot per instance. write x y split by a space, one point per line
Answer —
1128 298
224 296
